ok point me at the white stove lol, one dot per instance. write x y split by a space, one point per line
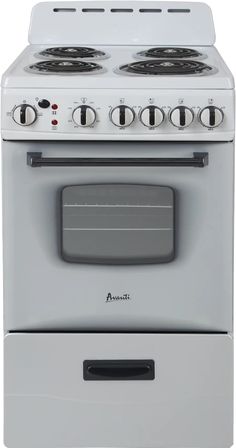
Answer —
118 174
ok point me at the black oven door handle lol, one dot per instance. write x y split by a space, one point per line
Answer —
36 160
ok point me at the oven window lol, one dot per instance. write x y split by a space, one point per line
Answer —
117 224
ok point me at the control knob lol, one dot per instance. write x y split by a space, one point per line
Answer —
211 116
84 116
151 116
24 114
181 116
122 116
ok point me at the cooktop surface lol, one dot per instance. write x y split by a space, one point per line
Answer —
119 66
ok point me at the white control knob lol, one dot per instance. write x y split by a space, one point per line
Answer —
211 117
151 116
24 115
84 116
181 116
122 116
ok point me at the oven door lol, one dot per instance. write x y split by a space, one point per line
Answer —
92 242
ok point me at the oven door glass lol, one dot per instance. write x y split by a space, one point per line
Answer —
118 224
134 288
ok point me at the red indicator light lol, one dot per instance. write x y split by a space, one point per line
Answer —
54 106
54 122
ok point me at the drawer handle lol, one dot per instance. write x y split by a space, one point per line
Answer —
118 370
36 160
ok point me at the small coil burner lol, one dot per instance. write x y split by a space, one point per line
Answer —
165 67
73 53
170 52
64 67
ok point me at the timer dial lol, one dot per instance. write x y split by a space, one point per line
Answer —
211 117
151 116
24 114
84 116
181 117
122 116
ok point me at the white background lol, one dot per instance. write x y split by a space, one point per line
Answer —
14 22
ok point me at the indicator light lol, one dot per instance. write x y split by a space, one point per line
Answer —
54 122
54 106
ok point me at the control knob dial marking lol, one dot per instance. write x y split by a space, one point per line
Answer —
181 116
84 116
122 116
211 117
151 116
24 114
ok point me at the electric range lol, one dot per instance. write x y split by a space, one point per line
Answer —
118 168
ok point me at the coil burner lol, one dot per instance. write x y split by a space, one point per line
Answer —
165 68
64 67
73 53
169 53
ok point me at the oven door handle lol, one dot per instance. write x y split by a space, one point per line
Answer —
36 160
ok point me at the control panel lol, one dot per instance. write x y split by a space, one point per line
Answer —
86 113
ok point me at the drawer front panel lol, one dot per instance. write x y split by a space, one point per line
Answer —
49 403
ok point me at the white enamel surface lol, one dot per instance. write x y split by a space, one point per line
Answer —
205 117
176 120
131 28
146 119
90 116
103 101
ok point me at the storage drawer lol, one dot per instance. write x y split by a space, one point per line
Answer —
185 402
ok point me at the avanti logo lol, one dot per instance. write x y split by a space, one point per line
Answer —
111 298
